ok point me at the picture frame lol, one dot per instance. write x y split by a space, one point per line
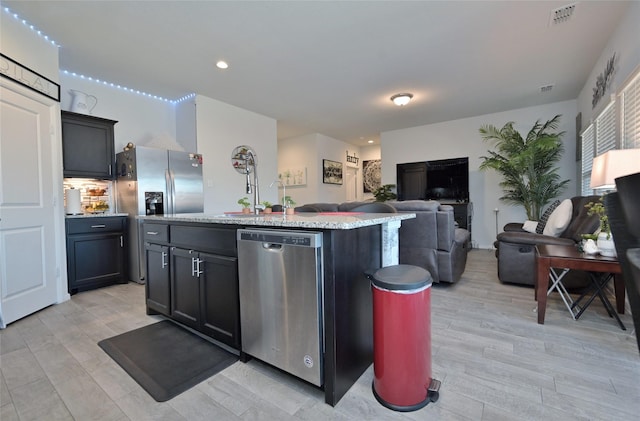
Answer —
371 175
290 177
331 172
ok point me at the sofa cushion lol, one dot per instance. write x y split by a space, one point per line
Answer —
581 221
415 205
547 213
325 207
559 219
530 226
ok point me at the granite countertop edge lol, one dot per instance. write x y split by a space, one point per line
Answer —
94 215
309 220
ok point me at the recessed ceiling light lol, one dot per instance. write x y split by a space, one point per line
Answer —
222 65
401 99
369 141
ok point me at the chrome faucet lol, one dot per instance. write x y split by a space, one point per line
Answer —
251 160
284 191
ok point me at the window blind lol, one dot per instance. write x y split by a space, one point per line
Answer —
606 129
630 111
588 149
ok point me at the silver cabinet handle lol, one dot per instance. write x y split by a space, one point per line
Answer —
164 259
152 232
193 266
121 242
198 271
98 226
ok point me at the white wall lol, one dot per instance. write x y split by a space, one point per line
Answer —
624 43
309 151
460 138
25 46
297 152
140 118
220 128
186 130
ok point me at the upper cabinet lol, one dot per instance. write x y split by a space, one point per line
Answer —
87 146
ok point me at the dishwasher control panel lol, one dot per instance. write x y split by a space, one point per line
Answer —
291 238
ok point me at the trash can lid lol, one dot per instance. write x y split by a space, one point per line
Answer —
401 277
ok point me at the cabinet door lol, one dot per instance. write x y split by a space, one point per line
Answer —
219 298
185 287
158 287
87 146
94 260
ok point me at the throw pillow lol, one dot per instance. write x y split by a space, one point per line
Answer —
545 216
559 219
530 226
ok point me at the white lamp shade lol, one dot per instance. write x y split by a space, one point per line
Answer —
613 164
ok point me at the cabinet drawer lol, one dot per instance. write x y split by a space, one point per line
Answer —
95 225
205 238
155 233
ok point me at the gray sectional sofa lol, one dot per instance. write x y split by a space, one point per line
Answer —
432 240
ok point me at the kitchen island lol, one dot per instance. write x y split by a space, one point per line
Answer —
192 277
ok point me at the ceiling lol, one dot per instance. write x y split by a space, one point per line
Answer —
330 67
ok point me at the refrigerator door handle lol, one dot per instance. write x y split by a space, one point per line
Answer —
171 198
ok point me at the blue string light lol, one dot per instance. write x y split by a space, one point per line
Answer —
133 91
46 38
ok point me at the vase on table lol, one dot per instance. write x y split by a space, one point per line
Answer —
606 246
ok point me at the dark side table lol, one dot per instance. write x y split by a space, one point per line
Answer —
568 257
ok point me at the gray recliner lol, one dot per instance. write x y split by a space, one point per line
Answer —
432 240
516 253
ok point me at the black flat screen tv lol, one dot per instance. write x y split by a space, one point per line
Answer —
444 180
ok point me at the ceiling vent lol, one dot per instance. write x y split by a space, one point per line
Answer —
562 14
546 88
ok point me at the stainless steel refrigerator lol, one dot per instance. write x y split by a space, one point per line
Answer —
154 181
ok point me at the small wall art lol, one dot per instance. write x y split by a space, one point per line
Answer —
331 172
293 176
371 175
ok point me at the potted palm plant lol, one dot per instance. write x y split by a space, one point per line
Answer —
528 165
384 193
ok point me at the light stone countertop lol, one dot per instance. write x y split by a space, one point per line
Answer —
323 220
95 215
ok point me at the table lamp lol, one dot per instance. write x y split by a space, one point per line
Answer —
613 164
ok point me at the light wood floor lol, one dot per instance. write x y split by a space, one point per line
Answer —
495 363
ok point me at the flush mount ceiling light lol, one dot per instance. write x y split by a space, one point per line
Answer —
401 99
222 65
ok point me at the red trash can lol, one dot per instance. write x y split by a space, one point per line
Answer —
402 338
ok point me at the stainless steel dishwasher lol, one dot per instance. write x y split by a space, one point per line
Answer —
281 316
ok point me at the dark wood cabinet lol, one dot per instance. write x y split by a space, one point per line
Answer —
220 311
96 254
185 287
192 277
87 146
158 286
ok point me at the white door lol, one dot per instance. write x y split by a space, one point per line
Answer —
351 183
27 225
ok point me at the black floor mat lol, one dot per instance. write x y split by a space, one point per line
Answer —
166 359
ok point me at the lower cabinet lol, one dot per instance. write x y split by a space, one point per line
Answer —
96 255
204 291
195 287
158 285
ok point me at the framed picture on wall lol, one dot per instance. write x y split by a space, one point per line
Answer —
331 172
371 175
